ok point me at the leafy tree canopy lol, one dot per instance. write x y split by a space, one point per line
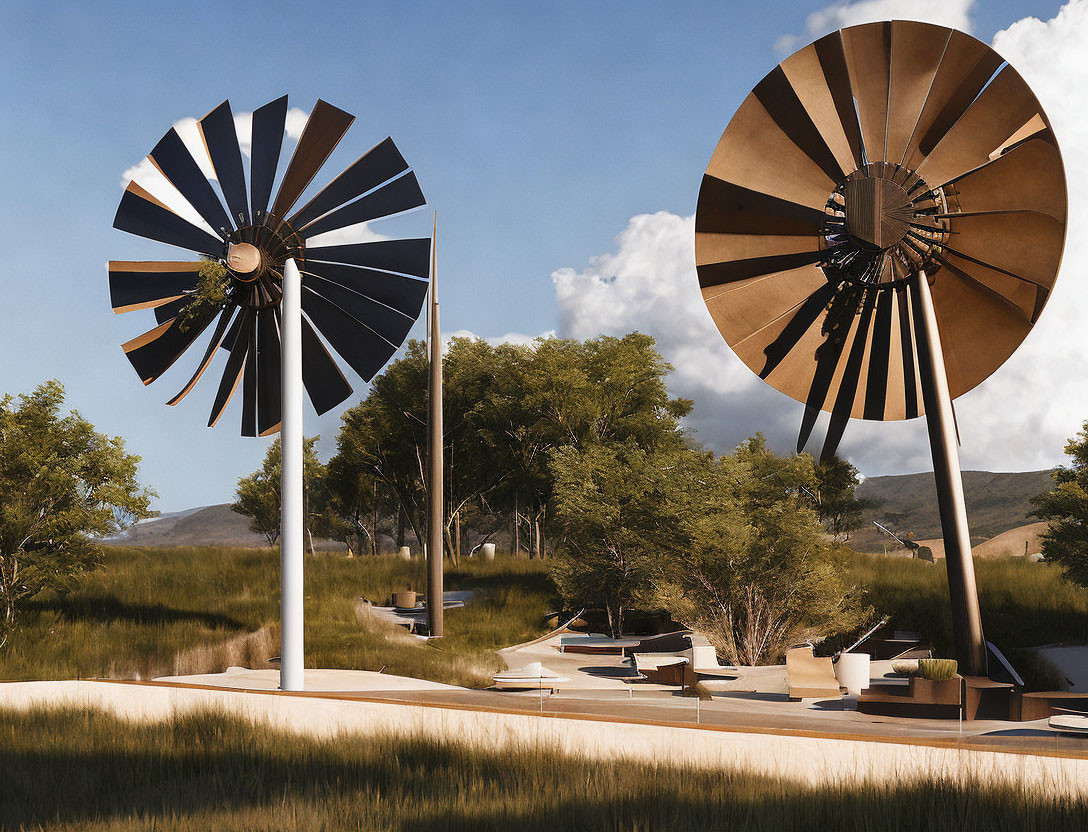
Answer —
258 495
62 484
1065 540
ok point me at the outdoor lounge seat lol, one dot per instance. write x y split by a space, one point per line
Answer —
661 669
1069 723
534 676
809 677
703 659
675 643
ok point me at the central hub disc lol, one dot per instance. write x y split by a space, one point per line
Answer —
244 259
878 212
882 224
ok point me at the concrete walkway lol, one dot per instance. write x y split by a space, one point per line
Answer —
319 681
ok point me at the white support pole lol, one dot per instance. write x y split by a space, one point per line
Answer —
291 517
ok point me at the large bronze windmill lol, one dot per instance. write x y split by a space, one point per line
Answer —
879 228
285 302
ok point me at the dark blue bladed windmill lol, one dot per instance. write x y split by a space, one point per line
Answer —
285 303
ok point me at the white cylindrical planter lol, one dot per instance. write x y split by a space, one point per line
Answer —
487 551
852 671
404 553
291 519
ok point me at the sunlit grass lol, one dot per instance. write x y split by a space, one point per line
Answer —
1023 604
68 769
146 607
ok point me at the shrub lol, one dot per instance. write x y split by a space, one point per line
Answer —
937 670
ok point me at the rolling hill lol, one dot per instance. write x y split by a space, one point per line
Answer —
996 503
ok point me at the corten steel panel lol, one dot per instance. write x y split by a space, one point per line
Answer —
814 217
360 299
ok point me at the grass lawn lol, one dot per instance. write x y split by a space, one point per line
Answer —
146 607
69 769
1023 604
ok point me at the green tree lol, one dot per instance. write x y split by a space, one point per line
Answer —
837 505
258 495
557 393
754 572
1065 540
61 485
615 506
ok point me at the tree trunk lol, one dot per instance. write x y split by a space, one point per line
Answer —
400 527
457 537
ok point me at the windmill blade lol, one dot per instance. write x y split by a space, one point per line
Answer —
249 384
323 131
379 164
268 373
221 141
819 79
171 309
176 163
848 386
365 352
966 67
868 60
154 352
732 271
794 176
411 256
1027 177
383 321
1024 245
874 402
398 196
136 284
736 210
141 214
908 347
325 384
783 105
236 362
217 337
1000 110
269 122
402 294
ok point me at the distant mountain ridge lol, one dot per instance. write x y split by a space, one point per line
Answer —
996 503
905 503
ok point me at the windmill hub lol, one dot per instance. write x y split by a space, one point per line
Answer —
882 224
878 212
243 258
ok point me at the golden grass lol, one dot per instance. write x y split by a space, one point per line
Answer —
155 612
78 769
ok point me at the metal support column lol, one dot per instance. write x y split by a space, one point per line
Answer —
943 441
434 455
291 486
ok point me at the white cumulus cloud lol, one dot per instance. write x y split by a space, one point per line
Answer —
953 13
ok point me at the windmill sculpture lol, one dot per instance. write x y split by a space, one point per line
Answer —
878 229
284 299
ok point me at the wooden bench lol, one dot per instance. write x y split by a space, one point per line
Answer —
919 698
1042 704
986 699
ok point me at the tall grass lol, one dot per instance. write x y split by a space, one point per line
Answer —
1023 604
153 612
67 769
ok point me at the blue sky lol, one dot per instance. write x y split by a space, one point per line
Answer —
537 131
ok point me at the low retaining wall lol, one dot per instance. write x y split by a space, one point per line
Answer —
812 760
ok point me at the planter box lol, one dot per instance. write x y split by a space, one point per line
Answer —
944 692
404 600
